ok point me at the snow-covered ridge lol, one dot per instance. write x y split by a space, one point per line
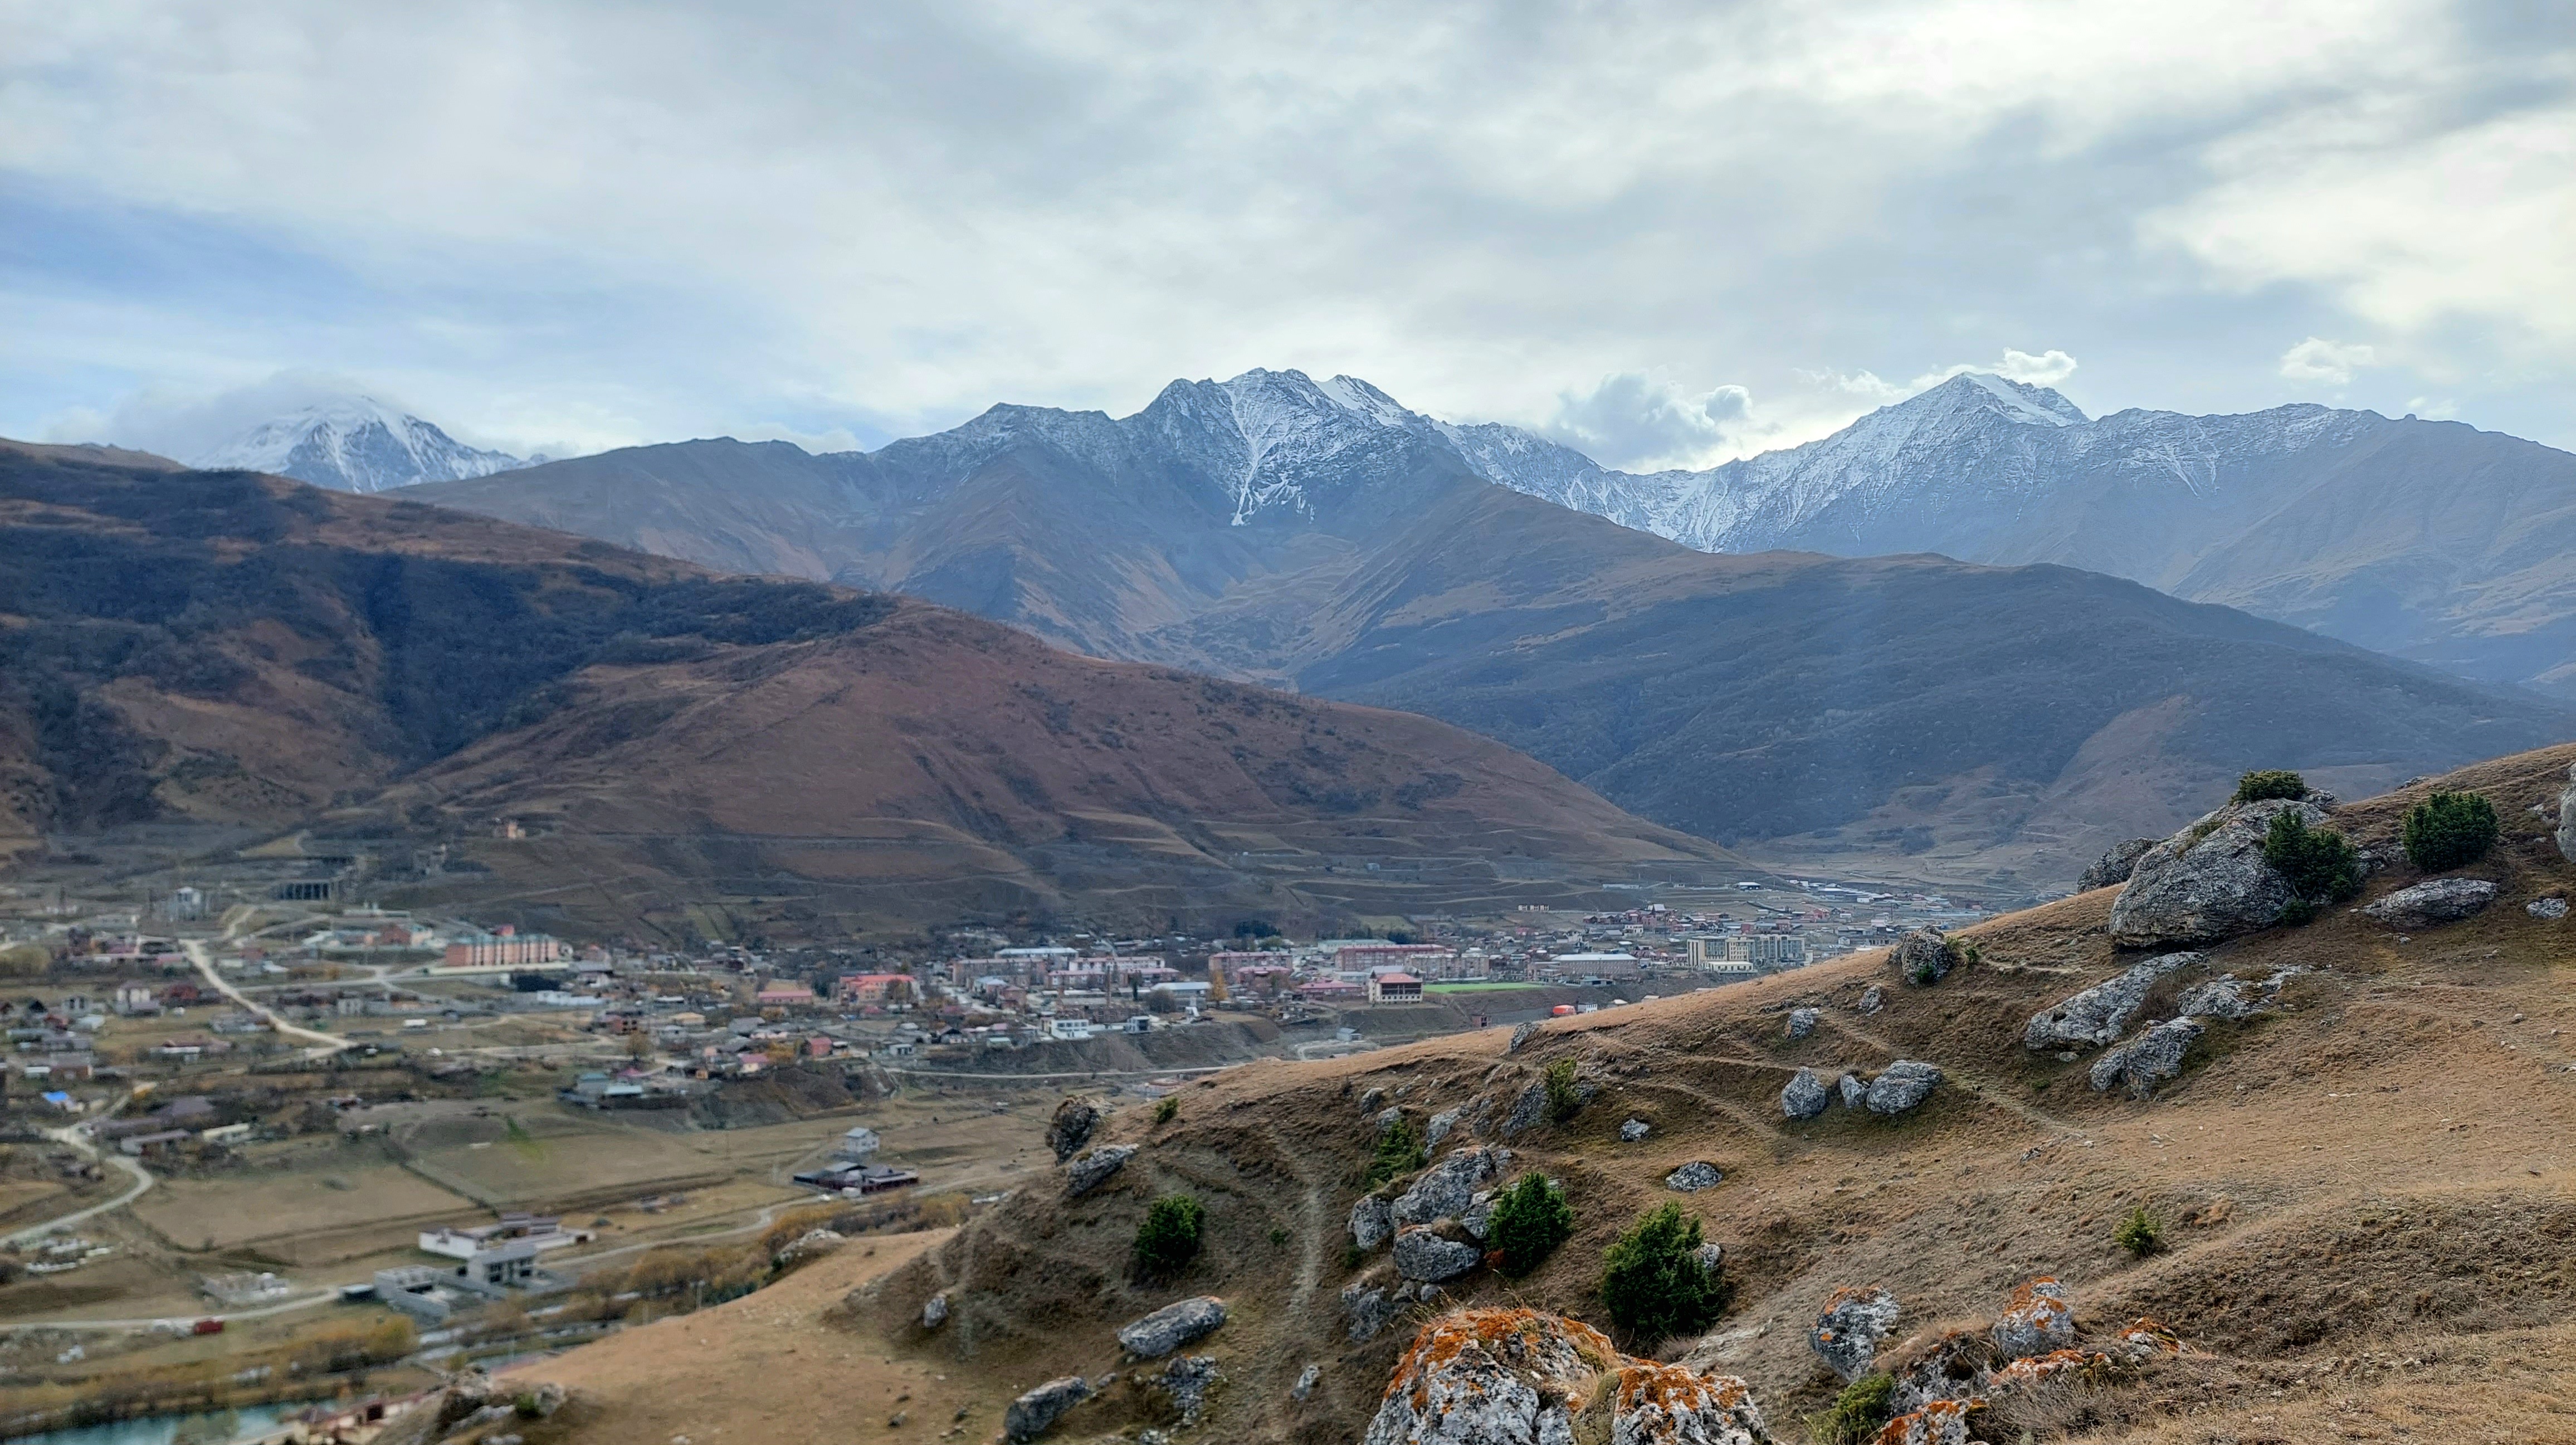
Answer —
355 444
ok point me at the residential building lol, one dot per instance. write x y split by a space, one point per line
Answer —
1394 988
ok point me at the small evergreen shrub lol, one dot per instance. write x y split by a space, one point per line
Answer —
2449 830
1169 1238
1564 1100
2322 866
2266 783
2139 1234
1529 1220
1652 1283
1857 1413
1278 1238
1166 1109
1399 1152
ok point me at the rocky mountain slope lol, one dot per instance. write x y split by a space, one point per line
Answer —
2355 1169
245 651
2422 539
1973 726
354 444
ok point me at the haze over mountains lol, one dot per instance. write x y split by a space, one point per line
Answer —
1988 725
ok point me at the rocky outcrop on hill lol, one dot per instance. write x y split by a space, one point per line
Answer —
1849 1329
2435 900
2567 817
1174 1325
1033 1413
1527 1377
1906 1084
1372 1221
2147 1060
2232 998
2114 866
1089 1171
2209 881
1071 1127
2040 1317
1446 1188
1422 1253
2100 1014
1942 1422
1805 1095
1923 956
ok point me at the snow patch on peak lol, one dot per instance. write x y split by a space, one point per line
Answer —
357 444
2022 402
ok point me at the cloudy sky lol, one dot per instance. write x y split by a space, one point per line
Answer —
1666 232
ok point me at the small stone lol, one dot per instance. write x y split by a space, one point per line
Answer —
1805 1095
1693 1177
2551 908
1711 1256
1186 1382
1803 1021
1873 999
1853 1090
1520 1035
2040 1317
1439 1127
1365 1311
1634 1130
1479 1217
934 1311
1370 1101
1031 1414
1174 1325
1527 1110
1306 1379
1089 1171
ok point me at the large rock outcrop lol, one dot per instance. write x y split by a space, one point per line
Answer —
1089 1171
1445 1189
1923 956
1907 1083
2435 900
1527 1377
1849 1329
2209 881
1174 1325
2114 866
1071 1127
2039 1318
2147 1060
1422 1253
2102 1013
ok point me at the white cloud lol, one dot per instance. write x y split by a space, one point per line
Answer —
1637 422
2330 362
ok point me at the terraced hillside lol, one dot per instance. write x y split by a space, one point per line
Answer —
2363 1185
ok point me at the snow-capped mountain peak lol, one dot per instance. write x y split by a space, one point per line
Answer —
355 444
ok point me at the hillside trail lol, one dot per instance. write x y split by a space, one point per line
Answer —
1973 1082
1313 1218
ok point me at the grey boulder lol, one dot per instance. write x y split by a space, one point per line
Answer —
1172 1326
1527 1110
1446 1188
1089 1171
2208 881
1907 1083
1854 1091
1366 1309
1422 1254
2100 1014
2114 866
1439 1127
1922 956
1803 1021
1693 1177
1634 1130
1372 1221
1479 1218
934 1311
2435 900
1872 999
1031 1414
1071 1127
2232 998
2550 908
1804 1096
1849 1329
1521 1034
2147 1060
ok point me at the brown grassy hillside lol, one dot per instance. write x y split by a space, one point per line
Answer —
2367 1192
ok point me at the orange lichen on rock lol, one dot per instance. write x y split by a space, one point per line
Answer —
1942 1422
1522 1376
2040 1317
